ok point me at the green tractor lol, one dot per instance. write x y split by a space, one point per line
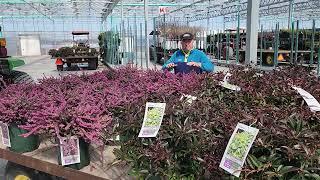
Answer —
7 64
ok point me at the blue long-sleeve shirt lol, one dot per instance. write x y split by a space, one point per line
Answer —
194 56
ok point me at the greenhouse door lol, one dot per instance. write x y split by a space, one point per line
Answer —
30 45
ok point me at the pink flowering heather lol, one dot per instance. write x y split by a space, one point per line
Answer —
85 105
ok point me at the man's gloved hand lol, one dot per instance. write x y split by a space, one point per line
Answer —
171 65
196 64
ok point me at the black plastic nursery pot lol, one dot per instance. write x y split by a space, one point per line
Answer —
154 178
84 156
21 144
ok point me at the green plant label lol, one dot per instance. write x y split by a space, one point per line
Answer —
238 148
152 119
310 100
5 134
69 150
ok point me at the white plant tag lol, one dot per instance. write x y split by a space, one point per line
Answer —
227 85
310 100
69 150
5 134
238 148
189 98
230 86
152 119
226 77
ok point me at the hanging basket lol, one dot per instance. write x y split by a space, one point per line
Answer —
21 144
84 155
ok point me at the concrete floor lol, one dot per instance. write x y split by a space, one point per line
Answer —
3 164
43 66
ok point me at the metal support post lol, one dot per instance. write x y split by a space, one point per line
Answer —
141 37
252 31
297 41
165 37
238 33
146 33
228 46
290 20
136 37
276 47
318 65
122 34
292 43
154 42
219 47
312 41
261 45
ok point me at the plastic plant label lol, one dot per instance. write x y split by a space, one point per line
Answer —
189 99
230 86
5 134
227 85
69 150
226 77
152 119
310 100
238 148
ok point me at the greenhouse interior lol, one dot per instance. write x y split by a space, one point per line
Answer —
159 90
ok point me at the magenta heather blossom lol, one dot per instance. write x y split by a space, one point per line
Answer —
85 105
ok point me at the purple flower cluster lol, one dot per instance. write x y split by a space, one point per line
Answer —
85 105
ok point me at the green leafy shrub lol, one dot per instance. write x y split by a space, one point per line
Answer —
53 53
193 137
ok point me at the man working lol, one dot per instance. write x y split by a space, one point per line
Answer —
190 56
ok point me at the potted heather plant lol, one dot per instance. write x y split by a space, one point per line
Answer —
15 104
68 110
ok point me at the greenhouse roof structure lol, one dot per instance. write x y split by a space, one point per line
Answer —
193 10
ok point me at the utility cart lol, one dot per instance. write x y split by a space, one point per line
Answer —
79 53
283 56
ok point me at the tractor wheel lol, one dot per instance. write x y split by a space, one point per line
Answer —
19 77
60 67
241 57
92 65
268 59
17 172
2 83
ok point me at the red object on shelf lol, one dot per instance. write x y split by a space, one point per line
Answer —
59 61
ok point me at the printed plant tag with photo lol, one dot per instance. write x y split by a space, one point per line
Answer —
238 148
152 119
69 150
5 134
227 85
